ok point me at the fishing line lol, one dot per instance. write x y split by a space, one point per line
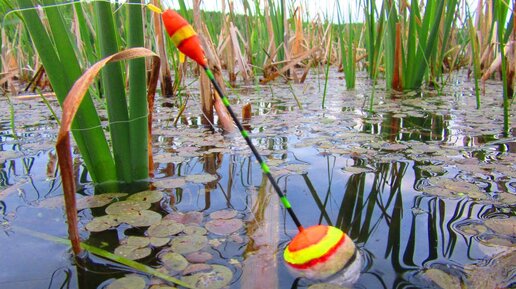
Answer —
109 123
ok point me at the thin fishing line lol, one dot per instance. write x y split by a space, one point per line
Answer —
111 123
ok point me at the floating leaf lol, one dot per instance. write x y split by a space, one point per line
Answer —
198 257
188 243
170 183
224 227
218 277
505 226
126 206
297 168
147 196
168 158
326 286
137 241
97 201
128 282
132 252
497 240
194 268
185 218
394 147
158 242
165 228
357 170
471 228
192 229
201 178
443 279
173 261
142 218
102 223
224 214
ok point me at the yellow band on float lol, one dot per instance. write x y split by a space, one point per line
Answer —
317 250
182 34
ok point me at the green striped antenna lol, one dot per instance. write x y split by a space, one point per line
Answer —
257 155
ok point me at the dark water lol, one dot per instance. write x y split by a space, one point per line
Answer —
403 181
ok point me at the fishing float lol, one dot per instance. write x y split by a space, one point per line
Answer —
315 252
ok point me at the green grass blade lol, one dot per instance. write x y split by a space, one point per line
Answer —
114 91
137 95
62 71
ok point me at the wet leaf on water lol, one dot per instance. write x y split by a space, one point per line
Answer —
97 201
158 242
136 241
497 240
297 168
394 147
497 273
218 277
147 196
193 229
165 228
173 261
326 286
128 282
433 169
170 183
102 223
161 287
194 268
357 170
224 227
123 207
168 158
505 226
441 192
7 155
201 178
142 218
224 214
132 252
198 257
185 218
188 243
471 228
443 279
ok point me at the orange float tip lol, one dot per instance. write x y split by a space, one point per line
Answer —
184 36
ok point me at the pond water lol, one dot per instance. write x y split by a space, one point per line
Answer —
425 185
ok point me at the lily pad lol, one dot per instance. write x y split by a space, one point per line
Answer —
97 201
185 218
170 183
497 240
443 279
188 243
102 223
198 257
297 168
168 158
505 226
218 277
137 241
326 286
132 252
165 228
174 261
158 242
142 218
224 214
224 227
201 178
194 268
123 207
192 229
471 228
147 196
128 282
357 170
